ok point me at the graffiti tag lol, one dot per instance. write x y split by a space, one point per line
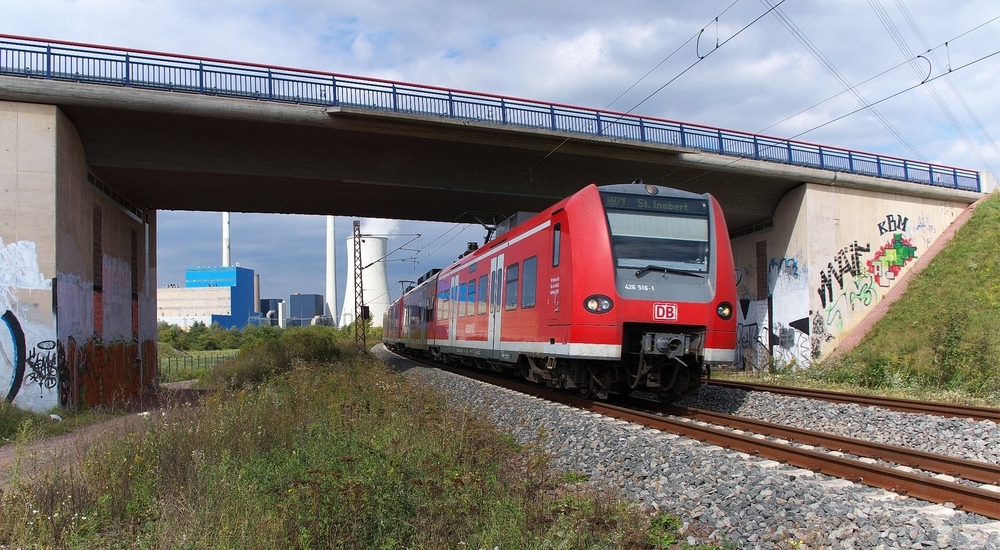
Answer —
892 225
848 260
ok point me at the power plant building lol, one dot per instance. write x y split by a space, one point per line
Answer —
223 295
303 308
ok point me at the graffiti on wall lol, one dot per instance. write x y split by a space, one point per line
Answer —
890 259
26 330
788 283
16 360
751 334
892 224
846 262
41 368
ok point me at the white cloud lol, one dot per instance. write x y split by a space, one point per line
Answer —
578 52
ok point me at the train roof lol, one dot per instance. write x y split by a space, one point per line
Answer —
639 188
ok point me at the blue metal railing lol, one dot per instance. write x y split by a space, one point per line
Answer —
140 69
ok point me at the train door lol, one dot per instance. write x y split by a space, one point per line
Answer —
495 310
453 311
559 296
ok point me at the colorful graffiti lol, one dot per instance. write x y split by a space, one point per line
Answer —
890 259
848 261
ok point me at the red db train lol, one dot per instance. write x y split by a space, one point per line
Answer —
614 288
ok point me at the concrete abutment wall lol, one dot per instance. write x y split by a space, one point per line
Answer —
76 272
832 254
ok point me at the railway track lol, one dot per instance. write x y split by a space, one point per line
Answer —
891 403
704 426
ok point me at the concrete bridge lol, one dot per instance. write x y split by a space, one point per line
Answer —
95 140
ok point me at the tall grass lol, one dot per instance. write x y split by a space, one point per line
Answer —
943 333
294 453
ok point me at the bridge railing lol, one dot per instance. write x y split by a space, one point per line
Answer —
177 73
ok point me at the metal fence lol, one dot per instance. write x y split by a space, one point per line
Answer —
169 365
150 70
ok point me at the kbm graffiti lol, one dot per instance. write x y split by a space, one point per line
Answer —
848 260
891 225
891 258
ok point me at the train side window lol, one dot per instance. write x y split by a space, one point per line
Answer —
471 307
556 243
529 282
443 304
482 293
463 299
511 301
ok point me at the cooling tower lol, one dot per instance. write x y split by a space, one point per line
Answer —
376 284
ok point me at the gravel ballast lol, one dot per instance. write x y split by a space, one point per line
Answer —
733 496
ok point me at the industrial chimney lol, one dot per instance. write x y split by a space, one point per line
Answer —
225 240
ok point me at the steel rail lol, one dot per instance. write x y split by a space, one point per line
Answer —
972 499
892 403
981 472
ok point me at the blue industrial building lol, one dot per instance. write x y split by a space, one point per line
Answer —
240 281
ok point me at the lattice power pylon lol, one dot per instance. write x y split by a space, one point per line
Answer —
360 326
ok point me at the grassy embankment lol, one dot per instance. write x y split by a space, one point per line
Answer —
941 340
306 444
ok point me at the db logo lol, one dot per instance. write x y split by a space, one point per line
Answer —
664 312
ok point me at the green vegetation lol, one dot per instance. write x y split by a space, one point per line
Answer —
307 444
941 340
15 422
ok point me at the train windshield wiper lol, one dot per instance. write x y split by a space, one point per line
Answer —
661 269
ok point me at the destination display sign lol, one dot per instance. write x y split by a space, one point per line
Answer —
652 203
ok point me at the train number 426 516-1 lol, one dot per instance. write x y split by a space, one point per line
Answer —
633 286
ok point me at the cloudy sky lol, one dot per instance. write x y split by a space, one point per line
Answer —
784 72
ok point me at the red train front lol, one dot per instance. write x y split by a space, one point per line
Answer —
615 288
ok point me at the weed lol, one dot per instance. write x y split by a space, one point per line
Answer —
664 530
296 453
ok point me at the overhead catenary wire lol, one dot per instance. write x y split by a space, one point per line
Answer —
930 50
700 58
825 62
845 115
903 91
904 48
948 80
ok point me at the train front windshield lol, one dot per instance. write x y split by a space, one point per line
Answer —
656 232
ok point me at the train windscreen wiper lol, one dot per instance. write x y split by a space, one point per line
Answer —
661 269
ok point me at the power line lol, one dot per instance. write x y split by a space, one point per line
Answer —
901 43
699 59
838 76
930 50
951 83
901 92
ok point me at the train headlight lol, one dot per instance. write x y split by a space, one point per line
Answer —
725 310
598 303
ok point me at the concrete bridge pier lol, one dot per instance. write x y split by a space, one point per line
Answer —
77 271
828 257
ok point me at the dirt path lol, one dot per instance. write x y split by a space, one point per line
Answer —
70 447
